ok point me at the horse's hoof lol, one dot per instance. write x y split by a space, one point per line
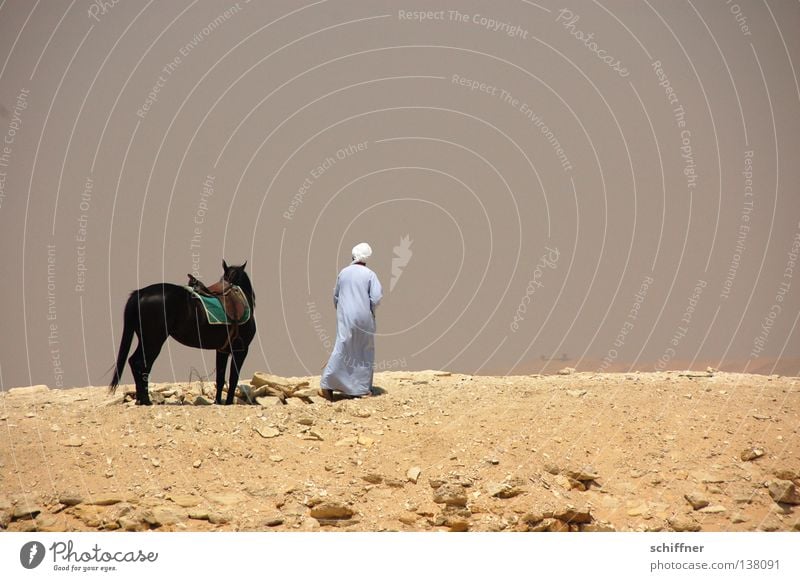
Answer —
146 402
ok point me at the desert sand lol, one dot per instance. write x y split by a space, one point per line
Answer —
667 451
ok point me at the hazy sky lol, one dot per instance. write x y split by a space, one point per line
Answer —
617 181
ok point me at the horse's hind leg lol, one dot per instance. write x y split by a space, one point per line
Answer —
222 364
236 366
136 362
142 362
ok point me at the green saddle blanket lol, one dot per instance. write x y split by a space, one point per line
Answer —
215 313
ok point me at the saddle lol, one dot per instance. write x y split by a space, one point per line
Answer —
232 300
231 297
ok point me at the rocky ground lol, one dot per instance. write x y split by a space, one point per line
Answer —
666 451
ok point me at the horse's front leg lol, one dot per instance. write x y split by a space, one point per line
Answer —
236 366
222 363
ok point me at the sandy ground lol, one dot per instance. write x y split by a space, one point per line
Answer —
433 451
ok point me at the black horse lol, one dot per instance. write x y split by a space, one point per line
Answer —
162 310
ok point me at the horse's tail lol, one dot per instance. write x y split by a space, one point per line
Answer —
128 329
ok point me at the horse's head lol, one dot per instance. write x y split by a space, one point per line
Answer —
237 276
233 274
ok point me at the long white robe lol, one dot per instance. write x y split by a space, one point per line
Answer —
351 364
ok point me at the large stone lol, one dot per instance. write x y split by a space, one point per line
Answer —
30 390
450 494
784 491
331 510
413 474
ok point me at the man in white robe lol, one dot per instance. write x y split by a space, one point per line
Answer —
356 295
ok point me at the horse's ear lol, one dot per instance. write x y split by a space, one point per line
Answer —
224 265
245 264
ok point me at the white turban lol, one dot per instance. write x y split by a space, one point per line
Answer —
361 252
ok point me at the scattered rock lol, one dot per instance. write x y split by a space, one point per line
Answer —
786 474
683 524
276 458
365 441
25 511
598 527
5 518
749 454
566 371
373 478
197 463
408 518
455 518
783 491
450 494
199 514
569 483
104 499
70 498
133 523
200 400
185 500
227 498
73 442
696 500
641 509
413 474
274 521
585 474
218 518
161 516
267 431
714 509
313 435
570 514
331 511
738 517
507 489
